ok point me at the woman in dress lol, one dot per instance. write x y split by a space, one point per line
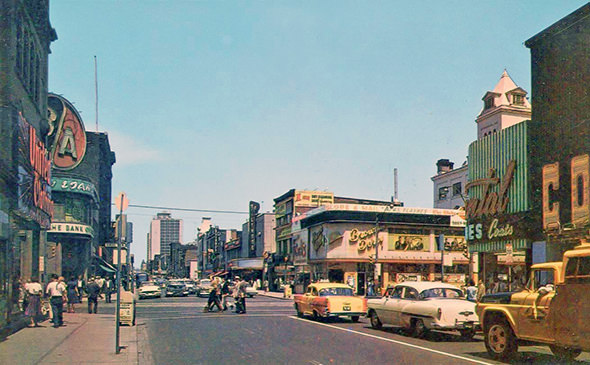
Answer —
34 290
72 288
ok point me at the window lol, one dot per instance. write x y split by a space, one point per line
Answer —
411 293
518 99
457 189
397 292
488 103
443 192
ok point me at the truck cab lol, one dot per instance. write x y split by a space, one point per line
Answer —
553 309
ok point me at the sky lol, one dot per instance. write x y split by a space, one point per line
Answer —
211 104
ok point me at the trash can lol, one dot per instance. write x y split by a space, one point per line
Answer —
127 309
287 291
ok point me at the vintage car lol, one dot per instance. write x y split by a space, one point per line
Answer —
204 288
176 290
149 289
190 286
419 307
324 300
251 292
553 309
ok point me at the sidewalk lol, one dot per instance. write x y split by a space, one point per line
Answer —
272 294
86 338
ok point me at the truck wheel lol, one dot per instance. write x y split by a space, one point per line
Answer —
565 353
299 313
375 321
354 318
419 330
500 340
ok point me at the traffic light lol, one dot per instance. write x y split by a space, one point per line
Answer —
372 259
53 250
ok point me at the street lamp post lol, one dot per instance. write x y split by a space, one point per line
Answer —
377 270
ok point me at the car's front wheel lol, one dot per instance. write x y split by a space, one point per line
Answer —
500 340
375 321
565 353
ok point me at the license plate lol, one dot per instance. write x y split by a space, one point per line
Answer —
346 308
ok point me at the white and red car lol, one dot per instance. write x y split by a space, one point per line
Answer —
422 306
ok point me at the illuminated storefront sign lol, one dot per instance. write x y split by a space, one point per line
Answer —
66 133
492 202
74 186
33 176
72 228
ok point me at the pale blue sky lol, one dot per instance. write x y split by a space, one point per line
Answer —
210 104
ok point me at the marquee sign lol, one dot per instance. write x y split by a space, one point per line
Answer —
72 228
66 133
74 186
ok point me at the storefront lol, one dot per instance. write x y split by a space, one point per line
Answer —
499 219
337 243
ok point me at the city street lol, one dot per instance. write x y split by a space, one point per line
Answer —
179 332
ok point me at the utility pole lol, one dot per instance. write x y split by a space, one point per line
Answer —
122 204
441 242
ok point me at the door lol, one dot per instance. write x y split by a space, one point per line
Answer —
392 306
534 305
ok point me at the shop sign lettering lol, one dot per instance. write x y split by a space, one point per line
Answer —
496 230
318 239
71 228
365 240
491 202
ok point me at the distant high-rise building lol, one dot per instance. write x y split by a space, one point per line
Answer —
163 230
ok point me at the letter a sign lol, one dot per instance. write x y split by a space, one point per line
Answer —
121 201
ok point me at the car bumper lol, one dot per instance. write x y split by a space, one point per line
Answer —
345 314
149 295
458 325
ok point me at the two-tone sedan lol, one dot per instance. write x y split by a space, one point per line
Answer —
325 300
419 307
149 289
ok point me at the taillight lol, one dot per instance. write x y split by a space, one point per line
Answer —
439 313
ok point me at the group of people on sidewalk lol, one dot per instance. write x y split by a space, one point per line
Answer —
61 293
222 293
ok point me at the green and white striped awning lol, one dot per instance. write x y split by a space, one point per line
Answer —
500 246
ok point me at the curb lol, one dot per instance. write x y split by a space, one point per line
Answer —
265 294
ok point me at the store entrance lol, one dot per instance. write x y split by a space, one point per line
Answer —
361 285
336 276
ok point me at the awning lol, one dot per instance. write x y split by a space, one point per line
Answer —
106 268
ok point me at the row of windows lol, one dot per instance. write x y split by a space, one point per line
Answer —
443 192
28 61
516 99
489 133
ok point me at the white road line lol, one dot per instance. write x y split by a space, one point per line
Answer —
226 316
394 341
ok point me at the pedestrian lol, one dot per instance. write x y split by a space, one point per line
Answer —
495 288
93 290
225 294
370 289
240 295
56 291
481 290
214 295
34 291
72 290
81 287
108 289
471 291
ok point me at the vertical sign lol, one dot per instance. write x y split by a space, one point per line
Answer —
254 208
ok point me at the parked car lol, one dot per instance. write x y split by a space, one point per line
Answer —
176 290
419 307
324 300
204 288
149 289
251 292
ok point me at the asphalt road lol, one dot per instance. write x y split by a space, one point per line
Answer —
269 333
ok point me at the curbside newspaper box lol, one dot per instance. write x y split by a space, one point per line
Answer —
127 309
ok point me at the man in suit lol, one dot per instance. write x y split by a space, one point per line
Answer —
93 290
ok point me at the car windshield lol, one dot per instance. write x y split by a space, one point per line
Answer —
451 293
175 286
148 283
336 291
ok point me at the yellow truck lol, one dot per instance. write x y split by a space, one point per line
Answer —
553 309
